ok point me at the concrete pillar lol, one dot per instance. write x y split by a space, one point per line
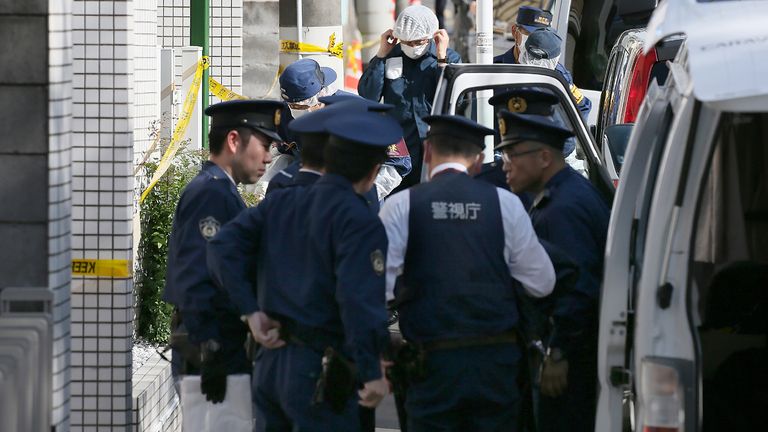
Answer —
374 17
315 25
105 56
35 215
261 45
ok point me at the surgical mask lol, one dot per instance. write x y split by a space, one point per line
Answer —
414 52
527 59
295 113
521 42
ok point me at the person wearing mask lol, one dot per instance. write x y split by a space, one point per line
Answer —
530 19
570 214
331 313
451 275
405 73
205 321
397 165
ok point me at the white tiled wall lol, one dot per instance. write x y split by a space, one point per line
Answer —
102 202
226 37
59 199
146 76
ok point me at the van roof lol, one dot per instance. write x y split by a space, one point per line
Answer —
727 45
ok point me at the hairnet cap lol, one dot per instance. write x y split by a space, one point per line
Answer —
543 43
515 128
531 18
261 115
315 122
458 127
303 79
526 101
365 128
414 23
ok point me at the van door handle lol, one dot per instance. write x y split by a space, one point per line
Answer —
664 295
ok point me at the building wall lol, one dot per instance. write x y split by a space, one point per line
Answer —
35 118
226 37
102 207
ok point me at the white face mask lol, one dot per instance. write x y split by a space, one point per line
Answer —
414 52
521 42
526 59
297 113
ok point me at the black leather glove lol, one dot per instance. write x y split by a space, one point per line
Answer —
213 372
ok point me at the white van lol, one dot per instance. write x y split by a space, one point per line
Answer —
684 307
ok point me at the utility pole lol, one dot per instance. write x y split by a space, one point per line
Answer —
199 35
484 55
312 25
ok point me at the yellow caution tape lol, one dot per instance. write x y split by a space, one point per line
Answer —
222 92
102 268
335 50
186 115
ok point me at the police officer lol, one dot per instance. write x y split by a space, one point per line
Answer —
569 213
455 290
334 304
530 19
405 72
397 165
240 137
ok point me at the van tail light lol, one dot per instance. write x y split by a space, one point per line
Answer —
638 87
663 394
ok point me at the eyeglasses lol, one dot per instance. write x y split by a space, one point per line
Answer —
507 156
415 43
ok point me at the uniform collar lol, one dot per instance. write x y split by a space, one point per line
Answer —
307 170
454 166
560 177
217 171
543 197
336 180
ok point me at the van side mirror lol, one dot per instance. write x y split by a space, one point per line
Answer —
617 138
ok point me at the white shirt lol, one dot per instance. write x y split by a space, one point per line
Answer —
526 259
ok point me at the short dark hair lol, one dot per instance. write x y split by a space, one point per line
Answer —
447 145
312 147
351 160
218 135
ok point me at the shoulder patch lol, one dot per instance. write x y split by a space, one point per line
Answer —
377 261
209 227
577 94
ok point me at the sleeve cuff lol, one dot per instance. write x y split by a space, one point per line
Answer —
368 369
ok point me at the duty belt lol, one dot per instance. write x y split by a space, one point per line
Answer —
508 337
312 337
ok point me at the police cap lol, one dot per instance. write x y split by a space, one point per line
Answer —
365 128
544 43
531 18
346 97
458 127
526 101
260 115
315 121
515 128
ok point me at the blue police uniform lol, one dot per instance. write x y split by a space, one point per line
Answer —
210 200
410 86
335 299
531 19
397 156
452 277
572 216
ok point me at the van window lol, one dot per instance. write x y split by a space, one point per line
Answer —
729 276
472 98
